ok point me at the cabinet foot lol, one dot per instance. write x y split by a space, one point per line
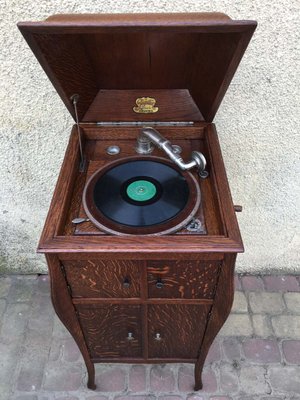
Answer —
91 375
91 385
198 375
198 386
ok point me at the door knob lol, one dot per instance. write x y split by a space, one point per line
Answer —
130 336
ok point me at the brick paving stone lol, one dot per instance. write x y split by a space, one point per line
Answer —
111 379
194 397
96 398
239 303
286 326
21 289
228 378
220 398
71 351
30 378
5 282
67 398
292 301
66 349
186 381
14 321
32 366
252 283
252 380
262 325
162 378
291 351
287 283
171 397
43 285
231 349
248 398
10 354
214 353
263 302
59 330
57 378
262 350
138 397
237 282
55 352
2 307
137 378
271 398
285 379
42 315
237 325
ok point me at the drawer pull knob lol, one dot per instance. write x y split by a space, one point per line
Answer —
157 337
130 336
126 283
159 284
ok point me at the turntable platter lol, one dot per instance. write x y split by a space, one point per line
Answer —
141 196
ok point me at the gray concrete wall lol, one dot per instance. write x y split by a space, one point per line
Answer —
257 125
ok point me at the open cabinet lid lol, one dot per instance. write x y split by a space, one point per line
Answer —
116 62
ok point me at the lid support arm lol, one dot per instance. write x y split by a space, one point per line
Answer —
74 100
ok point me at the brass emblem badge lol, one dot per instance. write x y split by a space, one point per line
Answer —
145 105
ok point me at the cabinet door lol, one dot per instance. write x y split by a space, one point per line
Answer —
112 331
98 278
182 279
176 331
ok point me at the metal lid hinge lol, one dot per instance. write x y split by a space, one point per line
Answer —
74 98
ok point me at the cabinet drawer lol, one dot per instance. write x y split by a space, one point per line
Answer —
176 331
96 278
182 279
112 331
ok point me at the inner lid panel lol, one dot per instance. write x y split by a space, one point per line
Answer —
188 68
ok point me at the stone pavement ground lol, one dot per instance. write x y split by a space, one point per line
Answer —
255 356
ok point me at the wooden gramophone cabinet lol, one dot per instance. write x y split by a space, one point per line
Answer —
140 298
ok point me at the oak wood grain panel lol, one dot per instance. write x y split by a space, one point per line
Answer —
98 278
65 310
181 328
192 279
219 312
128 132
106 329
123 101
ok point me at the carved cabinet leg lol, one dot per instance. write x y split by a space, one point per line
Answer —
64 308
218 314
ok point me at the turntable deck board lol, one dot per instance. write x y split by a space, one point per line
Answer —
99 158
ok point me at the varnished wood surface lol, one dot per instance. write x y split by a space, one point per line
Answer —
65 310
216 219
97 278
96 301
169 52
140 256
220 310
181 328
185 280
123 101
186 62
106 329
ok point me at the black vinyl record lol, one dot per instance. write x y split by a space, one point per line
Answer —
141 193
